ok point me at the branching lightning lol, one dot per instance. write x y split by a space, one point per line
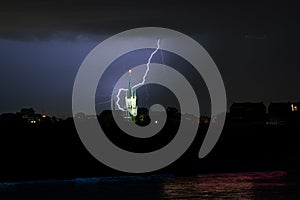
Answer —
144 77
148 67
118 98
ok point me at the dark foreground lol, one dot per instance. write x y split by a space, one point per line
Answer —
51 149
252 185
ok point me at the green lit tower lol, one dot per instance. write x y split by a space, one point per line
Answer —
130 101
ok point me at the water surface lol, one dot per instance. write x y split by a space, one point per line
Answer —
254 185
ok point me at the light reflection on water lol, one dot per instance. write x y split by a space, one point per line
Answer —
258 185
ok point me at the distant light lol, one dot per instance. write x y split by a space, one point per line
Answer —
294 108
33 121
130 71
155 122
44 115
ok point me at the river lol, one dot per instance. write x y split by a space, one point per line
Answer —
249 185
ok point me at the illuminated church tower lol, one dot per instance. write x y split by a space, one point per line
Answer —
130 101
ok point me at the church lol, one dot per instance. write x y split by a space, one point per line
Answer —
130 101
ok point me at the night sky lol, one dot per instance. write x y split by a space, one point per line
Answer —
43 43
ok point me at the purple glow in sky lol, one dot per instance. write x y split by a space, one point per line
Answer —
42 45
40 74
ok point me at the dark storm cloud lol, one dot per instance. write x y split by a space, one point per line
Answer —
44 19
42 44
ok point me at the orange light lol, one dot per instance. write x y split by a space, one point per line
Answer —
44 116
130 71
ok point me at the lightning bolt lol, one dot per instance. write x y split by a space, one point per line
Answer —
144 77
118 98
148 66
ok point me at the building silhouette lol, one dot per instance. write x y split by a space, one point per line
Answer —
248 112
282 113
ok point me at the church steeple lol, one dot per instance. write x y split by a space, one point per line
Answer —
130 84
130 91
130 100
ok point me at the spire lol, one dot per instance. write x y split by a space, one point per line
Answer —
130 100
130 92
